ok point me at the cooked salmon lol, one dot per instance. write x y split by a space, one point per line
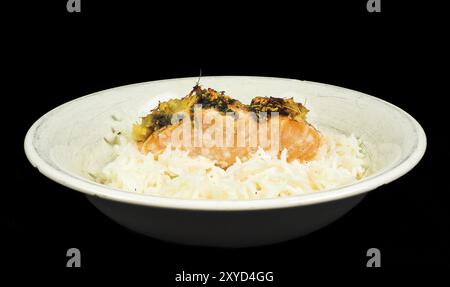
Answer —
210 124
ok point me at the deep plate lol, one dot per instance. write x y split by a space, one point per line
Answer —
58 142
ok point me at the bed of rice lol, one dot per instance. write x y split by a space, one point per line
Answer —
340 161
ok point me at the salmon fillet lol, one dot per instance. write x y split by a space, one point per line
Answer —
210 124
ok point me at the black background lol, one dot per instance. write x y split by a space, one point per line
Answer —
52 56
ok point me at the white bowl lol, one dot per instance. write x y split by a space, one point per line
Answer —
65 142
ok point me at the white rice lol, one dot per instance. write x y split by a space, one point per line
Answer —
340 161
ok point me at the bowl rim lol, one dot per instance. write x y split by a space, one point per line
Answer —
102 191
